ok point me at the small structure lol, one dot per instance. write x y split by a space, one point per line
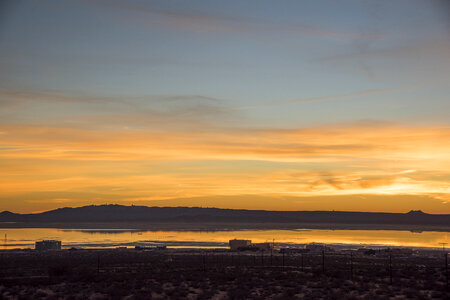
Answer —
292 250
263 246
315 247
143 246
366 251
237 244
75 248
48 245
400 251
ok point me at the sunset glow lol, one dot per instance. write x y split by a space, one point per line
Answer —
225 106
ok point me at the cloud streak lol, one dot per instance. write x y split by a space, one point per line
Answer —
323 143
206 23
351 159
127 111
357 94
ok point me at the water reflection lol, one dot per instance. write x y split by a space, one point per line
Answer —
25 237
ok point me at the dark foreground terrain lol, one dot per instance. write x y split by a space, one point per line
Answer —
219 274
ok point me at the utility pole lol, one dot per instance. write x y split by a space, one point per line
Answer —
98 262
302 263
351 265
323 261
204 262
443 246
271 251
446 263
390 268
446 268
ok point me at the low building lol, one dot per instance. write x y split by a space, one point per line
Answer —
48 245
150 247
237 244
366 251
315 247
75 248
292 250
400 251
263 246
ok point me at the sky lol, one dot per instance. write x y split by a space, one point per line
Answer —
280 105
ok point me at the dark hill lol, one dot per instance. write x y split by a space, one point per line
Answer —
120 213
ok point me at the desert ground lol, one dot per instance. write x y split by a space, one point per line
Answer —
221 274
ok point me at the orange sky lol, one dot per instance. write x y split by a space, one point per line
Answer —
359 166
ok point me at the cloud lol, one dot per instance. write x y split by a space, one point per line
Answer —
79 109
428 48
336 143
357 94
206 23
12 100
165 162
162 106
189 98
14 96
407 171
341 96
346 182
427 59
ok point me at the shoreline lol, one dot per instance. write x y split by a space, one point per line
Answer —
221 247
163 226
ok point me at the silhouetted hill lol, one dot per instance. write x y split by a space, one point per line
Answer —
120 213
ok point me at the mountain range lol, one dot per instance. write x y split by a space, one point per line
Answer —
178 215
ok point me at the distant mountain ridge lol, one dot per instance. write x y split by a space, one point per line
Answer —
121 213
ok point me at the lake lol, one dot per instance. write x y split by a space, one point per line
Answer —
92 238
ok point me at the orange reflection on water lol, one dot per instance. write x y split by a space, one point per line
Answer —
25 237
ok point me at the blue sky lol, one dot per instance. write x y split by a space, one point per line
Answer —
242 52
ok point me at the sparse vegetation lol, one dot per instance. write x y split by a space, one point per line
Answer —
178 274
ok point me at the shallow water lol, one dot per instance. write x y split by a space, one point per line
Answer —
25 237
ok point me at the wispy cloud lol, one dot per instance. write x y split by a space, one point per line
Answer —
162 105
177 110
427 48
357 94
8 95
350 159
314 144
413 59
205 23
340 96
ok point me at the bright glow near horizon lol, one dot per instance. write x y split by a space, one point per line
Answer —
286 106
25 237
